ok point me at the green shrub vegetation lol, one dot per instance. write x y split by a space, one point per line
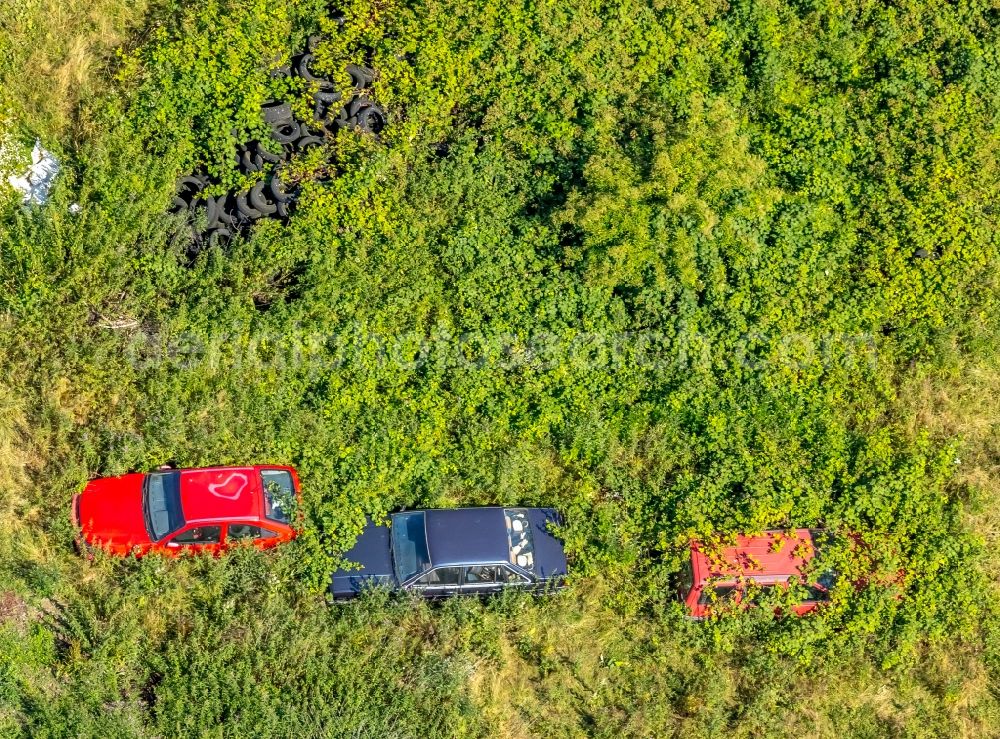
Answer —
679 269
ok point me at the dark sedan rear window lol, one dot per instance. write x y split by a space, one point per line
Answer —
522 548
161 503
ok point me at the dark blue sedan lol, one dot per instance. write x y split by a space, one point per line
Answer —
473 551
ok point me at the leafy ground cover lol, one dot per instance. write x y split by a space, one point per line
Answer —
679 269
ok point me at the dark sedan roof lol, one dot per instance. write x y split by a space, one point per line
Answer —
466 536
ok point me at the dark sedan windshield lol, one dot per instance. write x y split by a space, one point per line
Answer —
161 503
409 545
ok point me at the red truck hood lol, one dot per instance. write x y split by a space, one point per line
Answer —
111 513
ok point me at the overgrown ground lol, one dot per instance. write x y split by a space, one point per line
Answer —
676 268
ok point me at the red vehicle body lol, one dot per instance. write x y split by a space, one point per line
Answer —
173 511
724 574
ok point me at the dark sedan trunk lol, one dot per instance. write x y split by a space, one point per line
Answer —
373 551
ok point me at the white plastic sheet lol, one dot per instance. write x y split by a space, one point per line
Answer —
34 185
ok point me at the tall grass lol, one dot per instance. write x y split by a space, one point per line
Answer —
727 175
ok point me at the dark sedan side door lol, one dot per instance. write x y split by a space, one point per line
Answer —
483 579
439 582
492 578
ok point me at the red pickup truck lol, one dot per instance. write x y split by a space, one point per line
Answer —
733 573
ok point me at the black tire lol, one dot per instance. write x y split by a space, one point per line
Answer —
217 237
240 223
357 105
259 201
246 210
308 142
304 71
313 42
324 104
251 162
192 183
340 121
286 133
276 189
266 154
327 96
321 112
282 210
212 212
277 113
196 245
362 77
188 191
229 215
371 119
281 72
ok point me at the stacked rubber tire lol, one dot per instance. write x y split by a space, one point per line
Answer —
233 213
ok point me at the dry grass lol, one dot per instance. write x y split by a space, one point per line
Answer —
951 685
965 405
48 69
515 689
563 664
14 455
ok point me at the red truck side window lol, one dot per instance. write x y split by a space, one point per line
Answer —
721 593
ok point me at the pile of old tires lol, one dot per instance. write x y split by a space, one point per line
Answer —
272 197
